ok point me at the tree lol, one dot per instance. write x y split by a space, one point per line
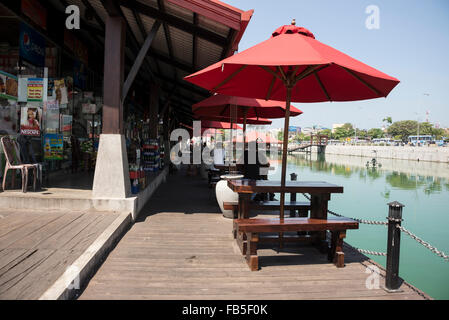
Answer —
403 129
362 133
281 135
326 132
344 131
388 120
375 133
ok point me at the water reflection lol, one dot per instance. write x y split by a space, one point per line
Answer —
355 168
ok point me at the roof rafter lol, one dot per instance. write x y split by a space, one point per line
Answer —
175 22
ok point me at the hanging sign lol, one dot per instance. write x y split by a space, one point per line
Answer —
53 146
31 45
35 89
66 124
30 120
8 86
60 92
51 110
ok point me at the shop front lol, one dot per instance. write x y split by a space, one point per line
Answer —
94 107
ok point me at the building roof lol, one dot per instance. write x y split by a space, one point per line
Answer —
193 34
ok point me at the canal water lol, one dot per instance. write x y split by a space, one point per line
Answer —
423 187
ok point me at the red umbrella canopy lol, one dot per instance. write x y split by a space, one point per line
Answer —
218 125
256 121
220 105
320 73
293 66
260 137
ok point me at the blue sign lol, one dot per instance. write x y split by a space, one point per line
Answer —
31 46
294 129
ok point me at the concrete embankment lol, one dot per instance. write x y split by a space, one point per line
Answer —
432 154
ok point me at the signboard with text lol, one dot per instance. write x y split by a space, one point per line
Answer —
53 146
31 46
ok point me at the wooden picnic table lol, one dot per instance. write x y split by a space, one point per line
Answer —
238 166
319 191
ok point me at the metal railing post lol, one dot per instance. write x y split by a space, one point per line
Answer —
293 177
392 280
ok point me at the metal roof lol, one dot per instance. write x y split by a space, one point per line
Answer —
193 35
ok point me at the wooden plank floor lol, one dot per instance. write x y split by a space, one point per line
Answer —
37 247
182 248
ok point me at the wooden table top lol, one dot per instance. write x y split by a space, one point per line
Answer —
254 186
239 166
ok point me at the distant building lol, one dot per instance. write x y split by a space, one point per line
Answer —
337 125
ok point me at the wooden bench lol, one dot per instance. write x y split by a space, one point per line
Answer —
302 206
253 227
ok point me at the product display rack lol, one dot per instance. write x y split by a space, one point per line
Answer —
151 155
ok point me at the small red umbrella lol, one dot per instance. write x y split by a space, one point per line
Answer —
255 121
219 125
293 66
221 105
240 107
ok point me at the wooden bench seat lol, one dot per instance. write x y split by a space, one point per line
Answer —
302 206
253 227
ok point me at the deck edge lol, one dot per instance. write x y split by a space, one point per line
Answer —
80 271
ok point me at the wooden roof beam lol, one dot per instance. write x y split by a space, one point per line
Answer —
175 22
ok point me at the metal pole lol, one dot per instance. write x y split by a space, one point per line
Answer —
392 280
293 177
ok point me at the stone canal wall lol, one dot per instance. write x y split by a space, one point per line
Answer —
432 154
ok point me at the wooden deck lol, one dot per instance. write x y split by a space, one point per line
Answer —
36 247
182 248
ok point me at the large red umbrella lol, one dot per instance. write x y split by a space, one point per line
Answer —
293 66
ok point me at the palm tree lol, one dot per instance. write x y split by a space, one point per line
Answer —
387 120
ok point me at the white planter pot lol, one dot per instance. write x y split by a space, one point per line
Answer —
225 194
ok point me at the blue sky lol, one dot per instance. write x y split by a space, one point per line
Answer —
412 44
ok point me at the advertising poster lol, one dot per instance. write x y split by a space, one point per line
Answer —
30 120
35 89
60 92
51 110
31 46
8 117
8 86
66 124
53 146
23 89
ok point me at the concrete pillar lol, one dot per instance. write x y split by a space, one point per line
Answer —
111 178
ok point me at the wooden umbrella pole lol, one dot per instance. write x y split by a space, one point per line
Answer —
245 111
284 150
231 156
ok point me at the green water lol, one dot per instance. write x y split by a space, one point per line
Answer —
422 187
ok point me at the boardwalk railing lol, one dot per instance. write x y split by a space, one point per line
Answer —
394 220
317 140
